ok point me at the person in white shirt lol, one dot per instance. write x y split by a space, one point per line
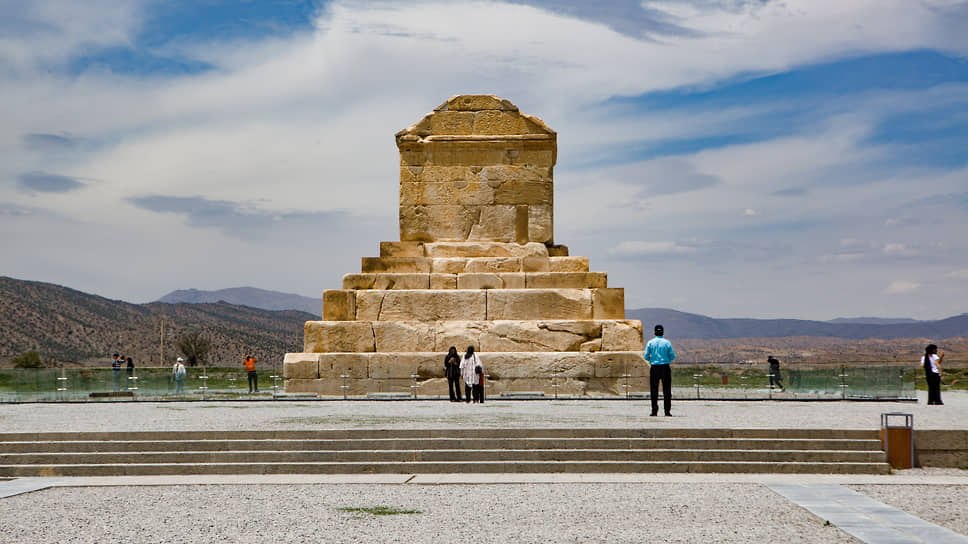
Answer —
472 371
932 372
178 374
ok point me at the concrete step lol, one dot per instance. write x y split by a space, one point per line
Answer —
457 455
480 432
442 468
441 451
377 444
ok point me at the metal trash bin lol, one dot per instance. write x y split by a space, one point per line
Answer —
898 440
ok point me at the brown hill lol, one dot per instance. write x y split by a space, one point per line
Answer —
74 327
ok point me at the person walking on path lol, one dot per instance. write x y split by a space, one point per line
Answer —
452 372
130 368
932 372
473 380
249 364
659 354
775 377
116 362
178 374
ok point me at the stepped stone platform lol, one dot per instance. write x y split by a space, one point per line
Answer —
422 451
476 265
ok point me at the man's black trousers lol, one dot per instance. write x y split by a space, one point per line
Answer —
660 373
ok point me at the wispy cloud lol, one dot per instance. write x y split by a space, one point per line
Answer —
42 182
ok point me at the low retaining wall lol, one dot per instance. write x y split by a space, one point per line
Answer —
941 448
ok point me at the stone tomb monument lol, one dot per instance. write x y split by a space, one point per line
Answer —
477 265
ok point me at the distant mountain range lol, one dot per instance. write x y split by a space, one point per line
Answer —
685 325
69 325
247 296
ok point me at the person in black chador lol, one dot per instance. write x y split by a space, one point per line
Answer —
452 372
775 377
932 372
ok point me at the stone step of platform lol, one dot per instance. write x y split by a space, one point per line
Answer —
472 304
505 336
441 451
493 280
467 265
471 249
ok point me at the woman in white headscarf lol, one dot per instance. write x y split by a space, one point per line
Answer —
472 370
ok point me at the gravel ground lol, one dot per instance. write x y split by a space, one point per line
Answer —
942 505
251 415
480 513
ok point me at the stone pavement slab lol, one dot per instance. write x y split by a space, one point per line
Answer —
864 518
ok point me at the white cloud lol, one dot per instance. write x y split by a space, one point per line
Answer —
901 287
961 274
304 125
750 212
640 248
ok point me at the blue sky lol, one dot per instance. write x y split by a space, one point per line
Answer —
736 158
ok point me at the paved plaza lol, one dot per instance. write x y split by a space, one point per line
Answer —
920 505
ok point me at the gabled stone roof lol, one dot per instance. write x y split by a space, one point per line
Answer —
472 117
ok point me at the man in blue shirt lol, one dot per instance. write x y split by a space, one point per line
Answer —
659 353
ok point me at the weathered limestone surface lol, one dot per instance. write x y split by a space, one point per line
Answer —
476 264
578 373
486 335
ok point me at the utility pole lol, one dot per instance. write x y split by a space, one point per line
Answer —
161 343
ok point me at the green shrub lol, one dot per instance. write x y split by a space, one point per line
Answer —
30 359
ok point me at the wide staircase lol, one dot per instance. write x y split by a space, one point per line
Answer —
406 451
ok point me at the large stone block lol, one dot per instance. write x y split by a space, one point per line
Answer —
452 122
496 222
459 334
485 249
567 264
540 223
421 305
441 174
538 366
510 280
504 336
513 193
398 265
338 336
622 335
333 366
404 336
503 173
443 281
304 366
339 305
429 223
565 280
402 366
493 265
608 303
476 102
386 281
302 385
401 249
472 193
520 304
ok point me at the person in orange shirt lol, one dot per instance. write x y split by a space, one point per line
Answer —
253 377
